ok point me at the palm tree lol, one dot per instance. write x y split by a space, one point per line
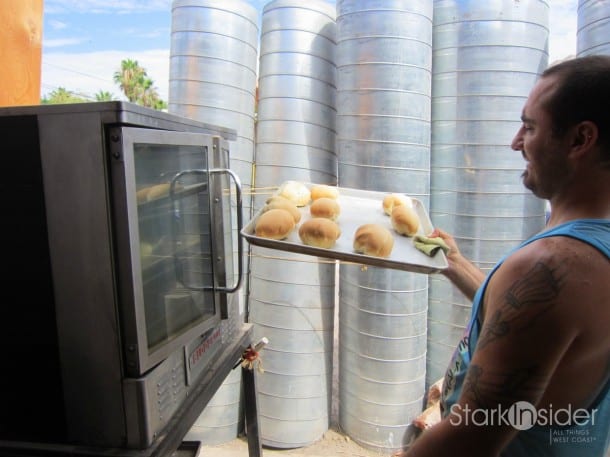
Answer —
130 78
137 86
104 96
61 96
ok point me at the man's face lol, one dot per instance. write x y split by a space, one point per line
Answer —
545 155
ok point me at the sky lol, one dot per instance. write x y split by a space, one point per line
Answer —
84 41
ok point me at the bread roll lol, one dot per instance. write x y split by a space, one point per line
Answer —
325 207
392 200
324 191
158 191
295 191
275 224
150 193
319 232
405 220
142 195
283 203
374 240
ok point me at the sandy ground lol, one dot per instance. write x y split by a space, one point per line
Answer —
332 444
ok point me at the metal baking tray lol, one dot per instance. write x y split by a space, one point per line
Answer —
359 207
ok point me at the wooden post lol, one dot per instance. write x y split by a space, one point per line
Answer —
20 52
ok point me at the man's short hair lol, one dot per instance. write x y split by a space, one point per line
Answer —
582 94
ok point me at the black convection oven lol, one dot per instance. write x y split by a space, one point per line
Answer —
118 269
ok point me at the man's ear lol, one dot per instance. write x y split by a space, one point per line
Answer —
585 137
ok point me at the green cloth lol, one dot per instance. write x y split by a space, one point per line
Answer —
430 246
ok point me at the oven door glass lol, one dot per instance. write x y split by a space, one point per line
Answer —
168 288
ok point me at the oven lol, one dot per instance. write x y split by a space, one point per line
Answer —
119 268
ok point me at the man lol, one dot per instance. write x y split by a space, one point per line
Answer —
532 375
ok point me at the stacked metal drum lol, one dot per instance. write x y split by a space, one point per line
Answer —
292 296
487 57
593 33
213 67
384 57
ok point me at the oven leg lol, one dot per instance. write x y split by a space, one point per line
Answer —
251 413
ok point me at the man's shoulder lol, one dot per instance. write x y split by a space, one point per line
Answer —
567 269
558 247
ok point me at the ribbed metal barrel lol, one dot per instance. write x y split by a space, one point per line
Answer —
212 79
292 296
383 95
213 70
222 418
292 304
593 31
382 354
487 57
384 54
295 133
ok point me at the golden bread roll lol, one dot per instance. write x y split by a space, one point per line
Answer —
324 191
325 207
150 193
392 200
275 224
284 203
142 195
405 220
295 191
319 232
374 240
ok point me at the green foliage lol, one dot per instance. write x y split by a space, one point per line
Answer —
133 82
104 96
61 96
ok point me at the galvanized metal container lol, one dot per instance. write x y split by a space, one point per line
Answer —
212 78
292 304
295 132
222 418
487 57
384 55
292 296
382 354
593 31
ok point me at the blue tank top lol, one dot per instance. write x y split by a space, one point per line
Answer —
587 438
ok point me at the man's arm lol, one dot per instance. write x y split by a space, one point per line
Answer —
461 272
514 360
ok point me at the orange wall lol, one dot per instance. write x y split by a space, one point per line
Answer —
20 51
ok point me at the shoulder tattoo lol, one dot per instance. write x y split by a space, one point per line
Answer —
524 302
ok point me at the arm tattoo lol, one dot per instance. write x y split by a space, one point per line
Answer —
524 302
488 389
539 284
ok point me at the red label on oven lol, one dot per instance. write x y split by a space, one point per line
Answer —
203 350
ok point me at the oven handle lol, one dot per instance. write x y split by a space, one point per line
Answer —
240 246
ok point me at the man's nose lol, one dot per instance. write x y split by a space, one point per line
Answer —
517 143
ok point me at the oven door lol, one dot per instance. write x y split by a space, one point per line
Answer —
167 211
